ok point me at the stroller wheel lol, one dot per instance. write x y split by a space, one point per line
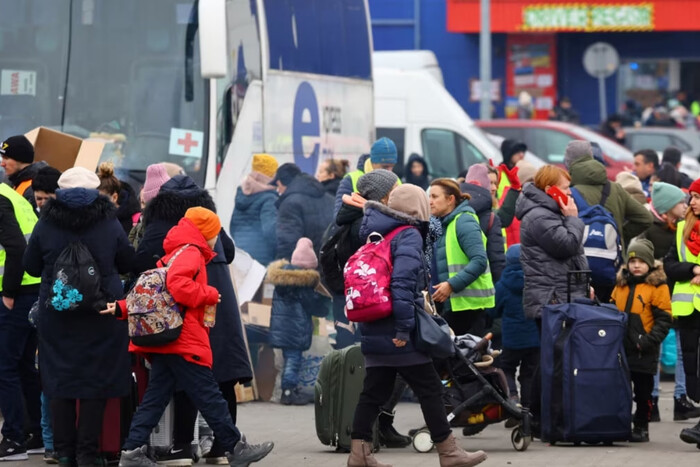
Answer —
422 441
520 442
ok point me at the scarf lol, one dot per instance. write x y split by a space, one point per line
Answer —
693 242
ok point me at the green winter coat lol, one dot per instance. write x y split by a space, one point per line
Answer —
469 237
589 177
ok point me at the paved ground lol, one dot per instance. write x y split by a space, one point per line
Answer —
292 429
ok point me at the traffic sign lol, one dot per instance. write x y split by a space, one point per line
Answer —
601 60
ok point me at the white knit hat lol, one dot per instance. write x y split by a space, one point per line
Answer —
78 177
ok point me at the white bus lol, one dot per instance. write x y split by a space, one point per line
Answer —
202 83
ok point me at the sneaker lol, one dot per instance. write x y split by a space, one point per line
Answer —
216 455
34 444
50 457
245 454
683 409
12 451
179 455
293 397
136 458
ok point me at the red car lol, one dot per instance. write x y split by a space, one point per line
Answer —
548 140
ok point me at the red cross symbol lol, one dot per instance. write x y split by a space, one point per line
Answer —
188 142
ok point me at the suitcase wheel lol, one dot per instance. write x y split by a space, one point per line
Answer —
520 442
422 441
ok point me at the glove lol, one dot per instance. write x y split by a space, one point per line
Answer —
512 177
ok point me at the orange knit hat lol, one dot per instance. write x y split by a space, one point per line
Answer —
205 220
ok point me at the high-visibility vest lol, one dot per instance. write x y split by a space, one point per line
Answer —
354 177
22 187
480 293
503 183
686 296
26 218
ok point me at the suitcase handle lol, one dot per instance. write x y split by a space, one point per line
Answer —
577 276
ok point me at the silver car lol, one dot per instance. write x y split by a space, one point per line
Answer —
658 139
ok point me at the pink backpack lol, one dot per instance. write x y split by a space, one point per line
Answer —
368 279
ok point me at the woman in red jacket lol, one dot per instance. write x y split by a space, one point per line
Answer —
186 362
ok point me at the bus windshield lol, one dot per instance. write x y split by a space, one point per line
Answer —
112 70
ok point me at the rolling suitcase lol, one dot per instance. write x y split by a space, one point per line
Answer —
336 394
586 390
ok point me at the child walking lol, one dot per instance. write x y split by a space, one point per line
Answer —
642 293
186 362
294 302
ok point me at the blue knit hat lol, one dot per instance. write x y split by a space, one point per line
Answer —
383 152
664 196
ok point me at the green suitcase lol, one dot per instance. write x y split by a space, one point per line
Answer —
338 387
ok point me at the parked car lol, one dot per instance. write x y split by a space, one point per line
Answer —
548 140
658 139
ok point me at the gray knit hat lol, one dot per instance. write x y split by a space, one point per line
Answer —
375 185
575 150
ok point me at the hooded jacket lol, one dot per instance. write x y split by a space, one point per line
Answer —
345 187
423 180
490 224
518 332
304 210
81 354
551 246
187 283
407 280
27 173
589 177
469 237
649 316
293 304
254 220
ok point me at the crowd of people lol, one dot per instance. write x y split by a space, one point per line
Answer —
490 248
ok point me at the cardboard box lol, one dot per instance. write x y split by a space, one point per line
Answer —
243 393
63 151
256 313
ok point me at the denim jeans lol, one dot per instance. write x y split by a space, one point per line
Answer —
19 378
679 389
46 431
292 367
198 382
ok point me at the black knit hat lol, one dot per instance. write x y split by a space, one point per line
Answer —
286 173
18 148
46 180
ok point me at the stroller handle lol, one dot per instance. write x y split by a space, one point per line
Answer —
484 343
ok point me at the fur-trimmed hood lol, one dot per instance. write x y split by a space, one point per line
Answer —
282 273
66 211
656 276
170 206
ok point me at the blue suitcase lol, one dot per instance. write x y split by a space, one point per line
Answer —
586 389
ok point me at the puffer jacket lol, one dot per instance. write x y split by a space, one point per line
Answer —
293 304
345 187
407 281
304 210
469 237
649 316
589 177
254 220
551 246
490 224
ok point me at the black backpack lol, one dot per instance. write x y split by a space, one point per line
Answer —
77 282
335 252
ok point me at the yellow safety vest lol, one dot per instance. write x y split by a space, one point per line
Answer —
686 296
503 183
26 218
480 293
354 177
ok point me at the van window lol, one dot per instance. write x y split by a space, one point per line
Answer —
398 136
549 145
448 153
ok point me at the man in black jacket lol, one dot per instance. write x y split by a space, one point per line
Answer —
18 161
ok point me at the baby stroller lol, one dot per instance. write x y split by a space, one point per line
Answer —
476 394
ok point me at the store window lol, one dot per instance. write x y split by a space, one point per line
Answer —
648 82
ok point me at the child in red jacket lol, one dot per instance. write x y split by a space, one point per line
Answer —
186 362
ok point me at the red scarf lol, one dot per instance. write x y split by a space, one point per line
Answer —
693 242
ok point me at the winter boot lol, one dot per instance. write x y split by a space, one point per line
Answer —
655 416
388 436
640 433
361 455
452 455
691 435
683 409
293 397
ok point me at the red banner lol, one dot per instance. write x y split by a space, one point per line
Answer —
531 68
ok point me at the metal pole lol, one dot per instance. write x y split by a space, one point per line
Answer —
603 99
416 24
485 60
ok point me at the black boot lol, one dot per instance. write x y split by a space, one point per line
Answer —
388 436
683 409
655 416
640 433
691 435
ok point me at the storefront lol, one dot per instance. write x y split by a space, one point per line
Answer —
545 41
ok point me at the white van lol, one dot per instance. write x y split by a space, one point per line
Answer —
409 60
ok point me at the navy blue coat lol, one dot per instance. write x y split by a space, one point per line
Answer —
304 210
253 224
518 332
407 280
82 355
293 304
